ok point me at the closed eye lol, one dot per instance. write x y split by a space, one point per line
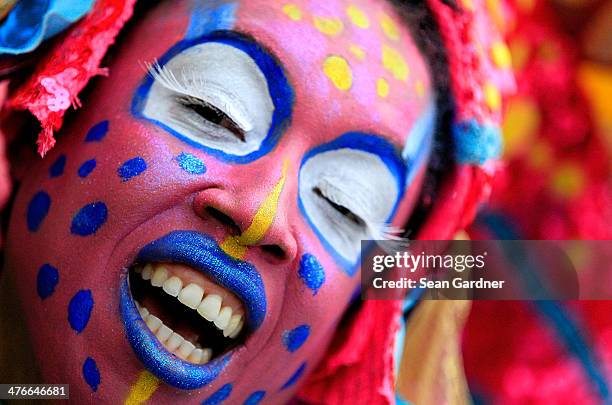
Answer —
212 114
340 208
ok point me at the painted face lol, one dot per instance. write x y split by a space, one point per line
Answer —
195 234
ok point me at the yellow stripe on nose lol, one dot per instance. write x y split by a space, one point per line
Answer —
143 388
236 246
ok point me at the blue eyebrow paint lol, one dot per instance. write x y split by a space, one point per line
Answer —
207 17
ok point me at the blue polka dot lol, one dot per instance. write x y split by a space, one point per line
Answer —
97 132
87 167
296 376
255 398
91 373
38 210
79 310
221 395
132 168
294 339
89 219
47 279
190 163
57 168
311 272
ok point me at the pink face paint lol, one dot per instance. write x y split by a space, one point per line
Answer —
163 191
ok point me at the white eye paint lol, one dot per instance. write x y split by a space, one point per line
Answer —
213 94
347 195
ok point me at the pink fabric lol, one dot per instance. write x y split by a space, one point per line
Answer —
359 366
65 71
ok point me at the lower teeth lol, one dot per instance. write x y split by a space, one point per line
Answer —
172 341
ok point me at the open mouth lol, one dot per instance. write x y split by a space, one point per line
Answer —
192 317
187 307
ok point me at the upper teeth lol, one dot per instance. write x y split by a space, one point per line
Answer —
209 306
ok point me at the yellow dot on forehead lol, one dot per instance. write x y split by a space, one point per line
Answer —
358 17
501 55
382 87
492 96
329 26
389 27
338 71
394 63
292 11
357 51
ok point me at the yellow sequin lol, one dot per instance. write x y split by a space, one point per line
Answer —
521 123
389 27
501 55
338 71
382 87
395 63
292 11
329 26
358 17
519 49
357 51
492 96
568 180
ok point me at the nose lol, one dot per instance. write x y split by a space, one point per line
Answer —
249 223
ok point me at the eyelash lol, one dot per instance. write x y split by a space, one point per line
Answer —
376 231
184 97
212 114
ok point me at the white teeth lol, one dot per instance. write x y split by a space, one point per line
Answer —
191 295
185 349
233 323
159 276
174 341
206 355
237 331
147 272
153 323
195 356
163 333
210 306
143 313
172 286
224 317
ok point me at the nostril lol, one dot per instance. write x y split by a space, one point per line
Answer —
224 219
274 250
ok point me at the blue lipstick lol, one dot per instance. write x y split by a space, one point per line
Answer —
203 254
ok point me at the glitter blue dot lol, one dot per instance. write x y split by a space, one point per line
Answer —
57 168
91 374
311 272
294 339
255 398
218 397
190 163
296 376
97 132
47 279
89 219
87 167
38 210
79 310
132 168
